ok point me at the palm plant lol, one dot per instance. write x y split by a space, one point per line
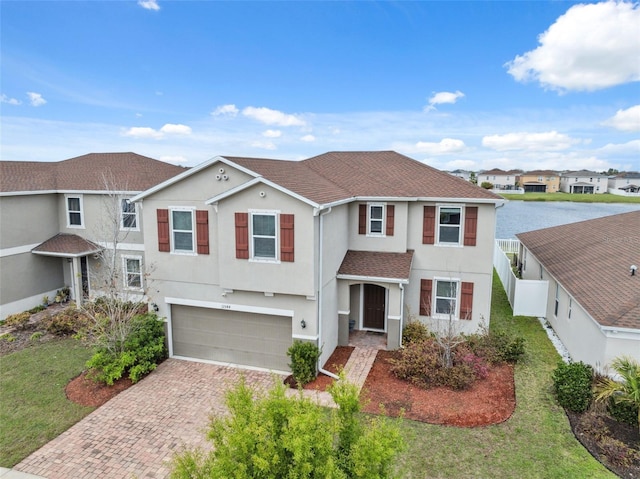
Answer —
625 391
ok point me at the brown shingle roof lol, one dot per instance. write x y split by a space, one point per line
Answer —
126 171
64 244
375 264
336 176
591 260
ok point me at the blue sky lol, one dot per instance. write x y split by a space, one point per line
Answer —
472 85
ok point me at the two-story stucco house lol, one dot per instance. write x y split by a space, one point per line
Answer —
594 293
251 254
52 219
628 181
500 179
583 182
539 181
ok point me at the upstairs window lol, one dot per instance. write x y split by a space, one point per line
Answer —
376 219
129 215
263 236
449 223
182 231
75 217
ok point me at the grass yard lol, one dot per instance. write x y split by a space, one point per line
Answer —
536 442
603 198
33 405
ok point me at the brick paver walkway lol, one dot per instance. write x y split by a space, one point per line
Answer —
135 434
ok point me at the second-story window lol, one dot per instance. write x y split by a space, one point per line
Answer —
263 234
376 219
74 212
129 216
182 231
449 223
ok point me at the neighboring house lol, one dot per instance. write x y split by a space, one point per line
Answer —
594 300
500 179
251 254
464 174
539 181
583 182
629 182
51 219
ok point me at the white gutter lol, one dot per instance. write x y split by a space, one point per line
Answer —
321 214
401 286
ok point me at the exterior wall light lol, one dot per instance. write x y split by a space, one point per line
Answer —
303 324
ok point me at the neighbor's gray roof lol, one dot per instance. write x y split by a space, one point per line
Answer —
376 264
591 260
336 176
125 171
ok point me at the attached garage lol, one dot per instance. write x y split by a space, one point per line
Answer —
237 337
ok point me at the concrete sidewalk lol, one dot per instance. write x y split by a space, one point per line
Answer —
13 474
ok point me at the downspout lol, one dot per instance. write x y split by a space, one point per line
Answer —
320 279
401 311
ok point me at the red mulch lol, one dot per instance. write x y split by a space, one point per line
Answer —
86 392
334 364
488 401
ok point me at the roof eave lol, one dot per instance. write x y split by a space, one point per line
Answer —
378 279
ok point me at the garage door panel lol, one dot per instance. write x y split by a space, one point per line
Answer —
231 336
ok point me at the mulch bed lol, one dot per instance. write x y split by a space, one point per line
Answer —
87 392
334 364
489 401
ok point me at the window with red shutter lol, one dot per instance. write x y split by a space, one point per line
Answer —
202 231
390 219
163 230
466 301
429 225
426 288
286 238
470 225
242 235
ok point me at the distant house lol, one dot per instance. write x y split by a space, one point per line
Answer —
539 181
583 182
51 219
593 297
464 174
500 179
629 182
252 254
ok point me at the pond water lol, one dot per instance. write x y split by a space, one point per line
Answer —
521 216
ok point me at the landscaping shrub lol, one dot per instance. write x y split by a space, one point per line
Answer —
143 349
18 320
37 309
617 452
418 362
414 332
572 383
623 412
67 322
459 376
497 346
304 359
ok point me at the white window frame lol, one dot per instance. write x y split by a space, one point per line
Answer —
276 237
556 306
191 210
126 273
460 226
382 220
68 211
123 214
434 304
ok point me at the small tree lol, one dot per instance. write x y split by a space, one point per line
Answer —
486 185
625 391
473 178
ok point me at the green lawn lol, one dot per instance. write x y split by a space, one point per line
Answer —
33 405
604 198
536 442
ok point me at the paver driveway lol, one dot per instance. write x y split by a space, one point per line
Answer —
137 432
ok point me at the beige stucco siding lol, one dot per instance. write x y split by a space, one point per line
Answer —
365 242
27 220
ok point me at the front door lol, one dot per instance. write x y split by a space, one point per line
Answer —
373 307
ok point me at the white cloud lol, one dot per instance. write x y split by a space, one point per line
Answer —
264 145
167 129
36 99
175 159
308 138
272 117
625 120
590 47
149 4
230 110
443 147
272 133
469 165
11 101
547 141
443 97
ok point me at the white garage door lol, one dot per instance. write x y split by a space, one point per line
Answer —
247 339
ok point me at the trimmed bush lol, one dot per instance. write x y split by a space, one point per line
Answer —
67 322
572 383
414 332
623 412
497 346
304 359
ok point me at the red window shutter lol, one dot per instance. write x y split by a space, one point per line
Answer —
429 225
466 301
242 235
202 231
426 286
470 225
286 238
390 214
362 220
163 230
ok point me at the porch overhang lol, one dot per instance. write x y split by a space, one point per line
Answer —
376 267
65 245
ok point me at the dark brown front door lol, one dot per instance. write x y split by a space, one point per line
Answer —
373 317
